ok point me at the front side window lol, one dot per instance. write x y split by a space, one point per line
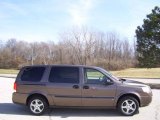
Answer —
32 74
93 76
64 75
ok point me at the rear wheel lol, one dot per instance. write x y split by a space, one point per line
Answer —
37 105
128 106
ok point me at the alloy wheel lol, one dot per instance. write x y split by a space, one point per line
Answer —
36 106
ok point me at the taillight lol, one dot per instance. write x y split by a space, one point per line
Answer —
15 86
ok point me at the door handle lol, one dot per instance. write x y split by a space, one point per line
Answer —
75 86
85 87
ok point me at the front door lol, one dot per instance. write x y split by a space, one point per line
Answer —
64 86
94 91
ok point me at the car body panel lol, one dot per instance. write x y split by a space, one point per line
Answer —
65 95
99 95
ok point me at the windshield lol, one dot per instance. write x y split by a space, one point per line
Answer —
109 74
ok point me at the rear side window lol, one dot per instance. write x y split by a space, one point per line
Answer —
33 74
64 75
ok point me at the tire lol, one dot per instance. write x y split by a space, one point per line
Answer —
128 106
37 105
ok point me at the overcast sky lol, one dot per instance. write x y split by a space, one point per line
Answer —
42 20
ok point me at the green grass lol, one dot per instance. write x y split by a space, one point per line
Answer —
94 74
138 73
131 72
8 71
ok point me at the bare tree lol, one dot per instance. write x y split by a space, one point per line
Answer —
75 46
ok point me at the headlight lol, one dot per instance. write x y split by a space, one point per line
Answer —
146 89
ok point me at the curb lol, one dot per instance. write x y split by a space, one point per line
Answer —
138 78
8 76
154 85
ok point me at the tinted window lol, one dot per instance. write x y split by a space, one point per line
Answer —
64 75
33 74
93 76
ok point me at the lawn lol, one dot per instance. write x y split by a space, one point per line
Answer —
138 73
8 71
131 72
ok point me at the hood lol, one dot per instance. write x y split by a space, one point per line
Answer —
133 83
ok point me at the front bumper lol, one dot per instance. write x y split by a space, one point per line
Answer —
146 100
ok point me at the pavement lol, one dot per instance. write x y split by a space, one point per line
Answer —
154 83
146 80
10 111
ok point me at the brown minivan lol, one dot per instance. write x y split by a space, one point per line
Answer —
77 86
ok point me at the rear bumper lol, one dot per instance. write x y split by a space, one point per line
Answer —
19 98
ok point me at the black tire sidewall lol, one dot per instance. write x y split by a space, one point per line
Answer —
41 99
126 98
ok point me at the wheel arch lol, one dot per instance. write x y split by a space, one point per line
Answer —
131 95
37 94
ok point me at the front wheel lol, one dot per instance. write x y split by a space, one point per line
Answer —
128 106
37 105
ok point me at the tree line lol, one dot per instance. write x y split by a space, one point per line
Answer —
87 47
148 40
75 46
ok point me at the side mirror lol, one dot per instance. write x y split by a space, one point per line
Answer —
108 82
